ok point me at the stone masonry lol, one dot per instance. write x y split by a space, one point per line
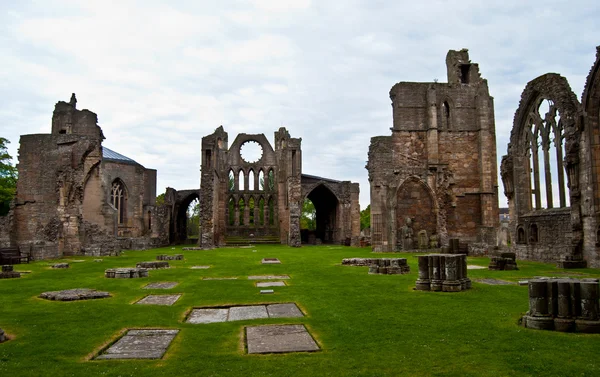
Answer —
555 212
437 171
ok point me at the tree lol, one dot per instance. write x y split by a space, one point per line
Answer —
365 218
160 200
193 218
309 218
8 178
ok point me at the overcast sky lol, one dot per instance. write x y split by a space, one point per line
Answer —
163 74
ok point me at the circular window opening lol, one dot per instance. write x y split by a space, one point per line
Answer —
251 151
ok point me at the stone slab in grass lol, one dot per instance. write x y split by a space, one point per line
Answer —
279 339
167 300
208 315
475 267
270 261
289 310
494 282
200 267
266 291
161 285
74 294
140 344
60 265
264 284
153 265
220 278
240 313
269 277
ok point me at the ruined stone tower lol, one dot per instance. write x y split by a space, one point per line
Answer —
438 168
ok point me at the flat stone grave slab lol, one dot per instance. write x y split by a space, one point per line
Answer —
240 313
126 273
494 282
220 278
208 315
269 277
167 300
161 285
270 261
140 344
263 284
200 267
153 265
289 310
60 265
266 291
475 267
279 339
74 294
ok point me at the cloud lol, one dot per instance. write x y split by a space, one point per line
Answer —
161 76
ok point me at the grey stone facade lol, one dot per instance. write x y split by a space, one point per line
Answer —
437 171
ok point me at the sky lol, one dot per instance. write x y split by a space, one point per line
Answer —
163 74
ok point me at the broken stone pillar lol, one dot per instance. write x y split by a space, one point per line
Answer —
563 305
423 239
454 245
423 283
451 283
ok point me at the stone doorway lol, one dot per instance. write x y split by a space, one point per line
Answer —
327 208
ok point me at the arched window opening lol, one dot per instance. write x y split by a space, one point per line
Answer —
241 180
241 209
231 212
261 180
261 212
271 212
308 220
251 211
445 116
251 180
231 181
546 143
533 233
520 235
118 199
193 219
271 178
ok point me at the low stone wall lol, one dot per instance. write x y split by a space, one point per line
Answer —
169 257
126 273
505 262
8 273
387 266
443 272
565 305
153 264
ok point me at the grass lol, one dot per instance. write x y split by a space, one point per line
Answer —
367 325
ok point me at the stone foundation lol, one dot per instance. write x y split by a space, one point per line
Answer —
126 273
443 272
387 266
8 273
505 262
565 305
153 265
169 257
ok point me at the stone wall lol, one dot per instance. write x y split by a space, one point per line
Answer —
438 168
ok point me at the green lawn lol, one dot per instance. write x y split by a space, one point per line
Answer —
366 325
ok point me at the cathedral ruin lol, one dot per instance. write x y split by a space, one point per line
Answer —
551 173
436 174
251 198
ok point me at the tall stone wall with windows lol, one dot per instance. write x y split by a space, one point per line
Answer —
550 173
437 171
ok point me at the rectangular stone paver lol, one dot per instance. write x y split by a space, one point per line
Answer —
264 284
208 316
284 311
220 278
279 339
140 344
161 285
269 277
199 267
270 261
240 313
266 291
159 300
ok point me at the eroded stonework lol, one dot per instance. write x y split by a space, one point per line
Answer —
551 173
437 171
75 197
252 201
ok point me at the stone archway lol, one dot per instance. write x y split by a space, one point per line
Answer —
415 201
327 212
181 206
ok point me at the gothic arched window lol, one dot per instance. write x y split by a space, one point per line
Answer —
118 199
